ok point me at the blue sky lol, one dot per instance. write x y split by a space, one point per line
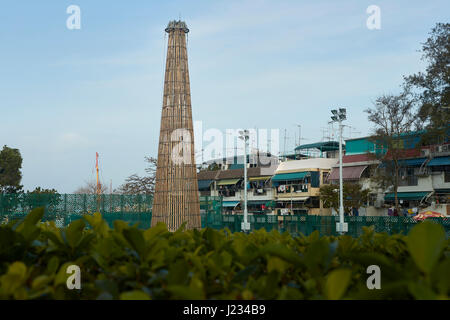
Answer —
66 94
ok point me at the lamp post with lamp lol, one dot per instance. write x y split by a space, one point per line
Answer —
339 116
244 135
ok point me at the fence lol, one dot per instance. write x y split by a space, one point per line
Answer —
65 208
326 225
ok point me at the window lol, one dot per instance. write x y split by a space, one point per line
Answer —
324 177
447 176
408 177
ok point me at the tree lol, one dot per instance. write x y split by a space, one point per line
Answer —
433 85
40 197
10 174
353 194
90 187
135 184
393 117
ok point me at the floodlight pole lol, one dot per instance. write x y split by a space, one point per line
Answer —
245 226
341 190
341 226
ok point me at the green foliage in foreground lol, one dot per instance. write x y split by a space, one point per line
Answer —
129 263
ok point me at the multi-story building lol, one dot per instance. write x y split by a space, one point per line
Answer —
225 178
424 174
297 184
293 186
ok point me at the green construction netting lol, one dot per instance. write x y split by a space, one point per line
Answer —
136 209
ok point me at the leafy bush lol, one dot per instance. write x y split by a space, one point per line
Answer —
130 263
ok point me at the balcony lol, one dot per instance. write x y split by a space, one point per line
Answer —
259 192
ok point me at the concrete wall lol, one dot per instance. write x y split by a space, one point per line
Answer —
438 181
423 184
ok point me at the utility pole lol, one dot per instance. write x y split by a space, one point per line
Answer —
244 135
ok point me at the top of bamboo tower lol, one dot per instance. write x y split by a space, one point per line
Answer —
174 25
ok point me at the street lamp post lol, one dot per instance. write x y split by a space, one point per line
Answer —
244 135
339 116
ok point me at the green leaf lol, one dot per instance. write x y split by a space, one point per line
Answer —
425 243
54 238
178 272
153 232
337 283
52 265
421 292
98 224
276 264
34 216
74 232
14 278
281 251
186 292
40 282
135 239
134 295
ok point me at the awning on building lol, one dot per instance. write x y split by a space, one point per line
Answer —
348 173
271 203
228 182
290 176
408 163
204 184
441 161
230 204
293 199
412 162
257 202
259 178
407 195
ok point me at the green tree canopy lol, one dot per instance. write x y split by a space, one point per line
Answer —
433 85
354 196
10 174
393 117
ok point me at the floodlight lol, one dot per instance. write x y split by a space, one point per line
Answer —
342 117
334 118
343 111
334 112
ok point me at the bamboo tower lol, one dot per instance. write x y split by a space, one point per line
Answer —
176 191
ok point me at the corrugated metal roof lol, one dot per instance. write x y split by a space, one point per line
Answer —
207 175
324 146
238 173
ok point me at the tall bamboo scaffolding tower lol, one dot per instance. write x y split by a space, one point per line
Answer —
176 191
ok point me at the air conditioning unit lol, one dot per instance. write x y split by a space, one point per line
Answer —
445 148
